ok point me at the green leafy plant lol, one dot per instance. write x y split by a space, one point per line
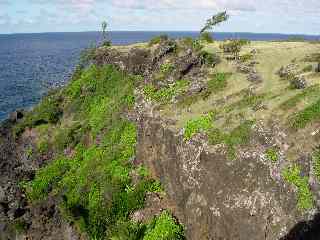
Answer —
272 155
238 136
210 59
305 197
194 126
164 227
316 164
165 94
214 21
218 82
166 68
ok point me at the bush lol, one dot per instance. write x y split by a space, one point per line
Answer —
238 136
234 46
217 82
305 197
316 164
166 68
210 59
158 39
246 57
48 111
164 227
272 155
194 126
165 94
207 37
307 68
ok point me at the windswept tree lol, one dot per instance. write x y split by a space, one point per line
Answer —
104 26
214 21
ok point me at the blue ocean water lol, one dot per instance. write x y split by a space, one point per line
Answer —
30 64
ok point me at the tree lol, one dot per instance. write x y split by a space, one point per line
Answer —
215 20
104 26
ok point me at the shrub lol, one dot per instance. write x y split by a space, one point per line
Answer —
307 68
210 59
305 197
158 39
307 115
165 94
217 83
238 136
234 46
316 164
272 155
166 68
164 227
207 37
194 126
48 111
246 57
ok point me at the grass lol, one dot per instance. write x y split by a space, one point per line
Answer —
165 94
194 126
238 136
217 83
309 92
306 116
305 197
272 155
249 100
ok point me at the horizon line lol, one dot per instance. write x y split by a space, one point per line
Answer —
167 31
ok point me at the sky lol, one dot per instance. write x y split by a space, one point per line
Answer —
261 16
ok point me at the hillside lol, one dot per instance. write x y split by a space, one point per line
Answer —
172 139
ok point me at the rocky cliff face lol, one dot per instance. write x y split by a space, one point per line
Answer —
230 165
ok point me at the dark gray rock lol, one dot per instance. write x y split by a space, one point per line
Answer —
299 82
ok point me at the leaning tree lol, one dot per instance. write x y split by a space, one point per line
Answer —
214 21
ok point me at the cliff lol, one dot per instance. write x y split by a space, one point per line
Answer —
177 139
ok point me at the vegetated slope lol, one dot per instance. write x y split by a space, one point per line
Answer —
170 140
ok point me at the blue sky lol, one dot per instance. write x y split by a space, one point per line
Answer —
277 16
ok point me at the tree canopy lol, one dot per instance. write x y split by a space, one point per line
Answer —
215 20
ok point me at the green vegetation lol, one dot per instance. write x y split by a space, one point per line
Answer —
215 20
165 94
316 164
206 37
234 46
20 226
312 91
194 126
249 100
95 182
306 116
166 68
209 59
158 39
164 227
218 82
48 111
238 136
305 197
246 57
272 155
307 68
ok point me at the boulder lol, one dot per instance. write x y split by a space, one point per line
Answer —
16 115
254 77
288 71
299 82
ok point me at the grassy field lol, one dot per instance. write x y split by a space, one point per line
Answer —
270 57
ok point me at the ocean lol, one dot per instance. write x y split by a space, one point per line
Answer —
30 64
